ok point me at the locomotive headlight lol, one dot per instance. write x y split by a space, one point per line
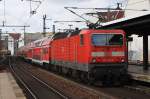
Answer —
122 60
94 60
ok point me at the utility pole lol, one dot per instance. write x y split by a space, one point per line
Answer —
0 34
0 38
6 39
24 32
24 29
53 29
44 25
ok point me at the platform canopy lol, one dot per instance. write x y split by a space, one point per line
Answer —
132 25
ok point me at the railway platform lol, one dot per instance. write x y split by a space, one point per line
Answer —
138 73
9 89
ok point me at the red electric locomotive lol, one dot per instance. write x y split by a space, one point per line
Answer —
91 54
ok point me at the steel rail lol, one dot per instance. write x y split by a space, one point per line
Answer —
49 87
54 90
45 84
123 90
21 81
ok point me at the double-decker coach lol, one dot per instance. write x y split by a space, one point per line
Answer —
46 52
29 51
37 51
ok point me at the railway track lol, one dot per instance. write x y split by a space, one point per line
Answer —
139 88
34 87
126 92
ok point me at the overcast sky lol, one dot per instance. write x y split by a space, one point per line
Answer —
18 12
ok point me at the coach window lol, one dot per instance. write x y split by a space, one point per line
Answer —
81 39
45 51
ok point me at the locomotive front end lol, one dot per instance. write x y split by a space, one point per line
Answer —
108 55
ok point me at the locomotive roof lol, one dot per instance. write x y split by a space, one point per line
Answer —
75 32
60 35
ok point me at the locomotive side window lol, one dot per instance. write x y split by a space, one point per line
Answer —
81 39
107 39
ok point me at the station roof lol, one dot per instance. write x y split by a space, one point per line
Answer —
132 25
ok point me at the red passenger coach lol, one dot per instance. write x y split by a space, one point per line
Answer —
42 51
29 49
46 51
94 54
37 52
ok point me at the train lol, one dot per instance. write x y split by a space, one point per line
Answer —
4 48
90 55
5 52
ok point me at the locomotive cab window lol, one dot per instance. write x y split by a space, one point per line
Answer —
107 39
81 39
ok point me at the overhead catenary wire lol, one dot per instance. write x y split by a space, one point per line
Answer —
106 9
135 2
67 8
38 5
5 18
117 1
31 15
127 1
